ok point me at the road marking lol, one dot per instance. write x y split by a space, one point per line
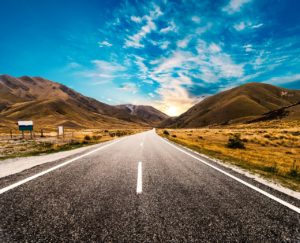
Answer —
289 205
19 183
139 186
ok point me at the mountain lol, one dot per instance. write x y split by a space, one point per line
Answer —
145 113
50 104
247 103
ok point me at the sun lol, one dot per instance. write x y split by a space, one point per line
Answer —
172 111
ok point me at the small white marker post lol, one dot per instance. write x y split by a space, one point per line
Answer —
139 186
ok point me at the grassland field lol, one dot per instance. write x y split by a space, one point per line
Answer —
271 150
50 142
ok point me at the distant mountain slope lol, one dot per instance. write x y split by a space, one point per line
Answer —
50 103
244 103
146 113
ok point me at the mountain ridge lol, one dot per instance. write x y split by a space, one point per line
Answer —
50 104
240 104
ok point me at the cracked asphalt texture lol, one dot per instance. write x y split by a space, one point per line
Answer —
94 199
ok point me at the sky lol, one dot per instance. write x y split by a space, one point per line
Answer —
168 54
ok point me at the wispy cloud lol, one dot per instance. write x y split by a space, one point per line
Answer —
104 43
136 39
102 71
184 42
246 24
171 27
283 79
235 6
136 19
196 19
172 57
129 87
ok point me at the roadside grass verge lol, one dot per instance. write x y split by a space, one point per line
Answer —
25 148
266 152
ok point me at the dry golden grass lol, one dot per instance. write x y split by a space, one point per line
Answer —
271 152
18 147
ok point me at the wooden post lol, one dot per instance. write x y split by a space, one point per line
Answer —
22 134
11 135
30 134
42 133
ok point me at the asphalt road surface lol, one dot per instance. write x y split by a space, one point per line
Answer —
143 189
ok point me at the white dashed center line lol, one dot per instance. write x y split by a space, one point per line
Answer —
139 186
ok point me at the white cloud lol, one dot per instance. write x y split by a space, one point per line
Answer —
257 26
151 95
105 66
135 40
176 60
103 71
214 47
184 42
170 27
235 6
248 48
165 44
174 96
196 19
225 67
73 65
240 26
129 87
283 79
248 24
104 43
136 19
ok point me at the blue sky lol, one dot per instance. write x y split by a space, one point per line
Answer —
169 54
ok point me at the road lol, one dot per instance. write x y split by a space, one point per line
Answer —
141 188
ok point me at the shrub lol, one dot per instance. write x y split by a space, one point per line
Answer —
166 133
97 137
87 137
174 136
272 169
235 141
294 171
295 133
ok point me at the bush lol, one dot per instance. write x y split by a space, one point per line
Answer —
87 137
272 169
235 141
166 133
294 171
97 137
295 133
174 136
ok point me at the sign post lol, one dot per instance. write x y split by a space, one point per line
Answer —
61 131
25 126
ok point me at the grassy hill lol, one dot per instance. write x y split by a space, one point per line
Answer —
242 104
49 104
